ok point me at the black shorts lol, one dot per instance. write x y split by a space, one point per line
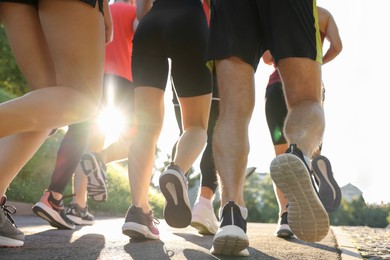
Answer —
246 28
178 30
35 2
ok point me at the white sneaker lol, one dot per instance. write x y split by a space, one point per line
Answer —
204 219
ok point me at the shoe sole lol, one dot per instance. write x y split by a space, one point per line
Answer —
79 221
230 241
54 219
10 242
202 229
329 191
177 211
307 217
96 186
138 231
284 232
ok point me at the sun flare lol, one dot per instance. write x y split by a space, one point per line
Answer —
111 123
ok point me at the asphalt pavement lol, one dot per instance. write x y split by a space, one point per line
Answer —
104 240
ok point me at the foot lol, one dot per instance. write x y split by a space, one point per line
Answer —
139 225
79 215
283 230
231 238
10 235
53 211
203 218
328 189
94 168
307 217
173 185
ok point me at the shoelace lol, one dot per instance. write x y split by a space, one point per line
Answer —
155 221
8 210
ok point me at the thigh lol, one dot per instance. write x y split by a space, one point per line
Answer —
236 88
75 33
33 58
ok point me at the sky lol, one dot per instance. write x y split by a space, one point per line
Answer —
356 106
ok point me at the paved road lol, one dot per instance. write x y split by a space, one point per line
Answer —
104 240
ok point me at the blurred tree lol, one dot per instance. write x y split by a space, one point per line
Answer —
11 79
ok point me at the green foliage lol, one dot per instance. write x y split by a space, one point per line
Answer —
34 178
260 199
11 79
357 213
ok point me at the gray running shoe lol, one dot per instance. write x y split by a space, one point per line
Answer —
328 189
283 230
231 238
307 216
79 215
139 225
173 185
10 235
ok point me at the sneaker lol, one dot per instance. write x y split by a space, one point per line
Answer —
79 215
231 238
173 185
283 229
204 219
328 189
139 225
10 235
53 211
307 217
94 168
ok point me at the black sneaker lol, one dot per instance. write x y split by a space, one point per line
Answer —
139 225
307 217
173 185
231 238
53 211
79 215
94 168
10 235
328 189
283 230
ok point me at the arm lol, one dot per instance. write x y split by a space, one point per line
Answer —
107 22
328 26
143 6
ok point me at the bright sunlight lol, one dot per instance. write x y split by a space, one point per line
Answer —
111 123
